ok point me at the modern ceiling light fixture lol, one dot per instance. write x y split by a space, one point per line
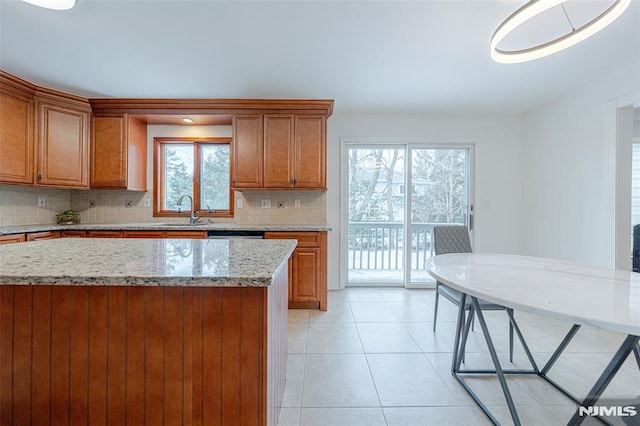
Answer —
53 4
575 36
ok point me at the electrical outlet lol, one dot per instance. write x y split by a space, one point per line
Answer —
266 204
296 203
239 203
42 201
280 204
127 204
92 203
146 202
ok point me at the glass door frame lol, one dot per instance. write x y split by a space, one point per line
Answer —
407 144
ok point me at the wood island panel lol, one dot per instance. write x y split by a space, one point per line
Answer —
142 355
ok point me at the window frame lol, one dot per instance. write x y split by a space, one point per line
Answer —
159 173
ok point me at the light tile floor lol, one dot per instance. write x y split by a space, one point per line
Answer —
373 359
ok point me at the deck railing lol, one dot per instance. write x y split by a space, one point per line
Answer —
381 245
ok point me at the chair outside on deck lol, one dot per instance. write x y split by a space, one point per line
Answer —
455 239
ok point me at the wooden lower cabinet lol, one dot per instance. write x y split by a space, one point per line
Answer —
307 269
12 238
48 235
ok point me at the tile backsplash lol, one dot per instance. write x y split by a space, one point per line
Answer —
19 206
312 207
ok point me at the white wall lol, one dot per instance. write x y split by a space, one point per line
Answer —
565 152
497 141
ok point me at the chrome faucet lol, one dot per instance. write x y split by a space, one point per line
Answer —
193 216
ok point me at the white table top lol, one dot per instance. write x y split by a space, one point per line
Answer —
601 297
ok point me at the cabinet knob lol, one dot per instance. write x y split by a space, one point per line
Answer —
39 177
122 180
294 181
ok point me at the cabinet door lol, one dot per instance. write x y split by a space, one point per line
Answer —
247 152
310 152
63 146
278 151
305 274
16 138
108 152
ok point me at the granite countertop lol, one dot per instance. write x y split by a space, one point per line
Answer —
165 226
145 262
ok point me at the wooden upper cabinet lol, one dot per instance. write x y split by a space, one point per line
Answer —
310 152
119 153
280 151
16 135
247 151
278 147
62 141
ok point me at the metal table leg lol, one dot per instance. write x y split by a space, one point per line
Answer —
629 344
459 326
496 362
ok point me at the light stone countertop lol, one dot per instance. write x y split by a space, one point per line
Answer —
145 262
165 226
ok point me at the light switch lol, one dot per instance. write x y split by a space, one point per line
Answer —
266 204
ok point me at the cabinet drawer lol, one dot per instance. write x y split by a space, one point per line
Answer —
305 239
74 234
12 238
105 234
144 234
47 235
185 234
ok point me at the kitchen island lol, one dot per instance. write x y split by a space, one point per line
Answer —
137 331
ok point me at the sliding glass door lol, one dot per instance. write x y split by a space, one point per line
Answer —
376 211
395 194
439 194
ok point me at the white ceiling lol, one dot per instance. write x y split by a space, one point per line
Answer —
370 56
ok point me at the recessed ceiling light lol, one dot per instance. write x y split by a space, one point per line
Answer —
575 36
187 120
53 4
